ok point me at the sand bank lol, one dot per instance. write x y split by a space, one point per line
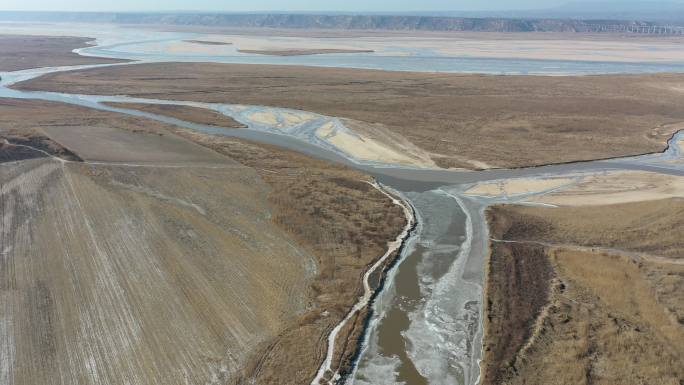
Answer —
517 186
367 149
488 45
617 187
303 51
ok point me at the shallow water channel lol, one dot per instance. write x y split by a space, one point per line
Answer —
426 323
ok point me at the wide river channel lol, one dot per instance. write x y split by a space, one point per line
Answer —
426 325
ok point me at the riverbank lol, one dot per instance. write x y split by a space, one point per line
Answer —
360 315
186 113
303 51
448 117
23 52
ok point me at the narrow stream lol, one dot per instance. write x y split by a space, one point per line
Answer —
426 324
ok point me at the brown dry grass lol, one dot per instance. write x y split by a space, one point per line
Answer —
606 327
290 235
340 219
518 289
607 319
187 113
491 119
652 227
21 116
24 52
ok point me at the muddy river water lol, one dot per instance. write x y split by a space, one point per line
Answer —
426 325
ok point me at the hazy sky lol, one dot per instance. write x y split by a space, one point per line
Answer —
274 5
286 5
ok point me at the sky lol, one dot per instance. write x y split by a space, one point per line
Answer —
273 5
279 5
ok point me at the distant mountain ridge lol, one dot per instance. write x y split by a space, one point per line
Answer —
356 21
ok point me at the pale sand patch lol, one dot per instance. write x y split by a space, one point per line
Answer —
363 148
293 118
264 117
238 107
392 140
182 46
280 43
259 43
518 186
475 164
281 119
214 39
570 47
617 187
619 50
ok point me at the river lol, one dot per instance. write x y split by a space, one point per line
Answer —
426 325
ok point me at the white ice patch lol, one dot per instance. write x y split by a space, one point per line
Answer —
378 370
441 329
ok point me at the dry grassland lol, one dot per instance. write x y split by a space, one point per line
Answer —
607 318
24 52
652 227
458 120
187 113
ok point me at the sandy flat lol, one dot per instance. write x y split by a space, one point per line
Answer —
488 45
279 44
296 117
620 50
303 51
393 143
617 187
208 42
187 47
281 119
363 148
517 186
264 118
